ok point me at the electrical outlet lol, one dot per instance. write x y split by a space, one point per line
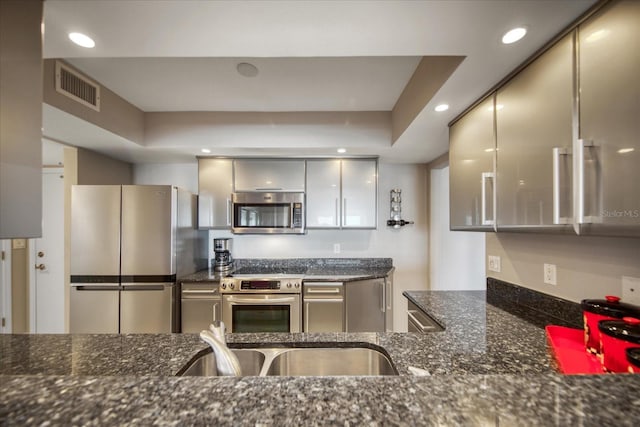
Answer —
336 248
631 290
550 274
494 263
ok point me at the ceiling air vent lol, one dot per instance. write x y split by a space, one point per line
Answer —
76 86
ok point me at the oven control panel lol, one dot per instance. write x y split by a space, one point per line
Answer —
238 285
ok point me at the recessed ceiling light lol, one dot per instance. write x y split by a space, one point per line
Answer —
488 150
498 107
514 35
247 70
342 150
441 107
626 150
82 40
206 150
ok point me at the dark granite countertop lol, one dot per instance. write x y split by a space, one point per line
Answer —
324 269
488 367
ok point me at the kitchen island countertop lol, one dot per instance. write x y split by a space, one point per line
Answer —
488 367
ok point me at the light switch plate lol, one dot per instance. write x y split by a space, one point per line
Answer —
494 263
631 290
336 248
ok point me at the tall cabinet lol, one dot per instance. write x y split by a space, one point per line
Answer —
534 136
215 185
607 153
20 119
471 169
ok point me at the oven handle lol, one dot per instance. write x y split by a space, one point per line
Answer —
259 301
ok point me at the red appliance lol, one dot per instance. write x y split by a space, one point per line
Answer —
633 357
595 310
616 336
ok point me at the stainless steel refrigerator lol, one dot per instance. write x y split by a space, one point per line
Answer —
128 245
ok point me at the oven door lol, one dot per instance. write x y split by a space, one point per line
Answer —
261 312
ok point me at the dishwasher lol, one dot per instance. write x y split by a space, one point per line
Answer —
419 321
323 309
200 304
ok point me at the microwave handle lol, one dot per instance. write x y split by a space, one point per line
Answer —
268 189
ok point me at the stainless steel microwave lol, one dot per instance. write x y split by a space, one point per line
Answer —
268 213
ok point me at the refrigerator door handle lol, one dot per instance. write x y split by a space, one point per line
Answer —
96 288
144 287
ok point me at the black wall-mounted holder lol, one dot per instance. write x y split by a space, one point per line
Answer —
395 210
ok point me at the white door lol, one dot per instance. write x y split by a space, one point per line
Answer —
48 258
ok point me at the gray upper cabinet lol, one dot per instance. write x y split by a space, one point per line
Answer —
323 193
607 155
20 119
342 193
471 169
215 184
534 137
269 175
359 193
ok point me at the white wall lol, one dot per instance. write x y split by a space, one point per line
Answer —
587 267
408 246
456 257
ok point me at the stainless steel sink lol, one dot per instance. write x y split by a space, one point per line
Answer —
330 362
308 361
251 362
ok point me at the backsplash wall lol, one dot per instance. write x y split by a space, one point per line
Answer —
587 267
407 246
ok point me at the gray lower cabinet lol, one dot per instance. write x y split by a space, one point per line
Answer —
323 306
200 305
366 305
419 321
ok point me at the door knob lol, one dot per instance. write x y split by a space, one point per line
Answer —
40 267
40 254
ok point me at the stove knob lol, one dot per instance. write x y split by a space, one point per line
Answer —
224 285
297 285
288 285
231 285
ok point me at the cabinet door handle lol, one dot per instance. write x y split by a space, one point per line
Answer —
228 211
578 178
344 212
215 312
323 291
337 215
486 176
384 297
557 218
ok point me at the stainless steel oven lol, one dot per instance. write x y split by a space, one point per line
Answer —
261 304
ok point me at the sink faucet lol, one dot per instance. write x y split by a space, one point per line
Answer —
226 361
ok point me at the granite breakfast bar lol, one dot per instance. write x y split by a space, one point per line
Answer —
488 367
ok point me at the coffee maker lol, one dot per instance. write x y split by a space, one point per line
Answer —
222 254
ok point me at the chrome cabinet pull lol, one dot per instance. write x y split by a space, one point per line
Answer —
486 176
557 218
